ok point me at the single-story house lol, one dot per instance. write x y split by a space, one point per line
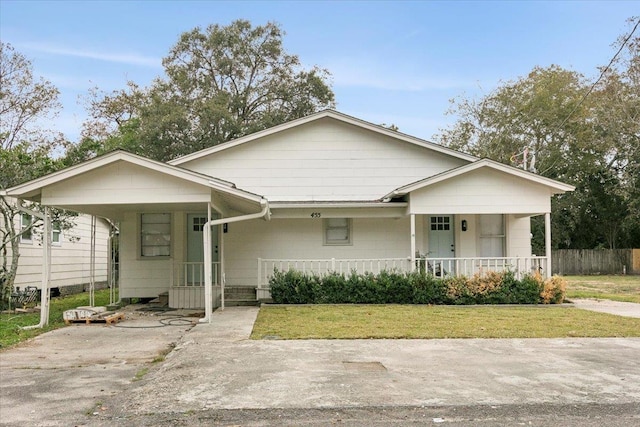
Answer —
327 192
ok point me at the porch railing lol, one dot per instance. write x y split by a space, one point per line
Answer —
440 267
470 266
191 274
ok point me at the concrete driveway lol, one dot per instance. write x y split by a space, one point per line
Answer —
215 370
67 373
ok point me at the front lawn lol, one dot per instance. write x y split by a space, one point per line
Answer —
616 288
429 322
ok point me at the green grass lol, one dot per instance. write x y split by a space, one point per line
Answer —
616 288
11 334
427 322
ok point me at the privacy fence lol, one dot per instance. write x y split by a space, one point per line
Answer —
595 261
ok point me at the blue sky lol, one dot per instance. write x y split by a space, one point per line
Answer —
392 62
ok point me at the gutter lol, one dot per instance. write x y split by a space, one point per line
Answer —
208 285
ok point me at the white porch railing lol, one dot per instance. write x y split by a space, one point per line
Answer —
189 274
437 266
470 266
187 285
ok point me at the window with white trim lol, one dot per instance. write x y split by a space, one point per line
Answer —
26 232
337 231
155 235
56 234
492 235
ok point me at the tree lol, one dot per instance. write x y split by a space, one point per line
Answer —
25 150
221 83
574 130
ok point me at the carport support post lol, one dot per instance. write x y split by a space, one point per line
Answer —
547 243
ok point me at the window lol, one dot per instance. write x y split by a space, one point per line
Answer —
155 235
492 235
337 231
26 221
56 234
198 223
440 223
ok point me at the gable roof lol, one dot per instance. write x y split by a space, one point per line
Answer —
317 116
556 186
32 188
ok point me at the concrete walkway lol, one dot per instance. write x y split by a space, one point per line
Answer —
217 367
627 309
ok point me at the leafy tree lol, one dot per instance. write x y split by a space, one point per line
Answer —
221 83
25 150
574 130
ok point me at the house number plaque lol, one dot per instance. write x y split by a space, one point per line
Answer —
315 215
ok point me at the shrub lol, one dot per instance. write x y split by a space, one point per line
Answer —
527 290
486 287
427 289
393 287
553 290
294 287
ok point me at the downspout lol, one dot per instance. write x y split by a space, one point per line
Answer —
46 261
208 304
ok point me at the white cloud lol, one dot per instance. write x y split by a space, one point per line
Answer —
390 76
124 58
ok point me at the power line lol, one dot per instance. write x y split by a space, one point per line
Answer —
601 75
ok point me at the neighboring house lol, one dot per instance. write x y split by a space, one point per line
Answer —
324 192
70 254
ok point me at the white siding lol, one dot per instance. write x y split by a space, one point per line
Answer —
70 260
324 160
303 239
481 191
518 236
140 277
121 183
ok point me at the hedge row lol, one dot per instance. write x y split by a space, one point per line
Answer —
391 287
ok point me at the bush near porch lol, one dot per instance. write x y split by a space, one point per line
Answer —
392 287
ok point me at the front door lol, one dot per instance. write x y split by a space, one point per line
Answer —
441 243
195 248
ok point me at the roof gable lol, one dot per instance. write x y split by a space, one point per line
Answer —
335 115
325 160
556 187
32 189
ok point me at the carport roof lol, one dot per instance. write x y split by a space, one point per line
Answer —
31 190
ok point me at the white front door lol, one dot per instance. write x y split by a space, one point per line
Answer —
441 243
195 247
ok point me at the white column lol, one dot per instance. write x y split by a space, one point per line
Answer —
46 269
221 260
547 243
413 242
206 241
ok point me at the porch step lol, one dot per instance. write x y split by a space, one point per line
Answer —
240 296
161 301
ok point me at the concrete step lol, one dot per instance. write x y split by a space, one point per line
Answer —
240 302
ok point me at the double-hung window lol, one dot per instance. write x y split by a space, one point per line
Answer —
26 232
337 231
56 234
155 235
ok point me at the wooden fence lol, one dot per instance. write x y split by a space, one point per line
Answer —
595 261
